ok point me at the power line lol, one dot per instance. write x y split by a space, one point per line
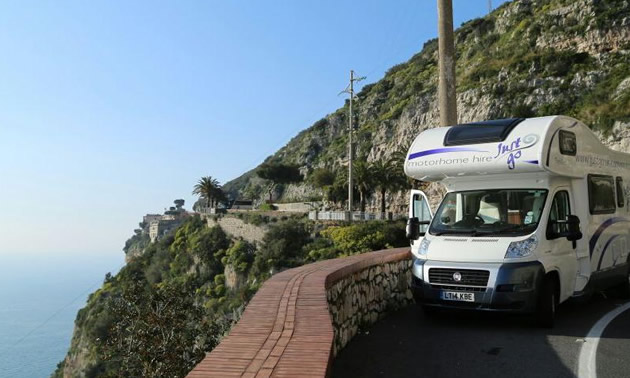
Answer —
350 90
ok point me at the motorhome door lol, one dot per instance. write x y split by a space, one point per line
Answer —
563 251
419 208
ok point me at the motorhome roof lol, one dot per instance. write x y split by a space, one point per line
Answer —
556 145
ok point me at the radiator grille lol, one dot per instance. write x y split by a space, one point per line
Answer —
470 277
459 288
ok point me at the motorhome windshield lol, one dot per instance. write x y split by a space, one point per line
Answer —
498 212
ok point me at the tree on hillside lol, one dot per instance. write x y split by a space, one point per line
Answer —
179 203
322 178
364 181
278 173
338 191
210 190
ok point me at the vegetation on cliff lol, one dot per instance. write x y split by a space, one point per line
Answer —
173 302
161 312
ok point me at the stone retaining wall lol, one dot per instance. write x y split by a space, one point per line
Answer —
238 228
359 300
297 207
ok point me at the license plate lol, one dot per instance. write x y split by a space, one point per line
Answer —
457 296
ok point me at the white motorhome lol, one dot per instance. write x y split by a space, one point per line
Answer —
536 212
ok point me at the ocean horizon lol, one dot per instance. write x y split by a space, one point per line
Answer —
40 295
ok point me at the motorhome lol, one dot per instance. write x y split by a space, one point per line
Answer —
536 212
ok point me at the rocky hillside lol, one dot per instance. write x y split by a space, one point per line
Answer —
526 58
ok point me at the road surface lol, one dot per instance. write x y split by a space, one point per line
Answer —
470 344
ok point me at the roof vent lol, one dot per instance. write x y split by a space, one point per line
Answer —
481 132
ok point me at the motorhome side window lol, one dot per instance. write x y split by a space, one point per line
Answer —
560 210
601 194
568 145
421 211
620 192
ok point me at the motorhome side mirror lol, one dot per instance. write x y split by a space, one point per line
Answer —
574 233
413 228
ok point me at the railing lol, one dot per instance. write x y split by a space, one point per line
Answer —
356 216
301 317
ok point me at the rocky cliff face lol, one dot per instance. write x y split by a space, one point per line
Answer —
527 58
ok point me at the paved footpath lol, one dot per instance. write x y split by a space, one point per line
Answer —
465 344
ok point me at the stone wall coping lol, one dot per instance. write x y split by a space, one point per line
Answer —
286 329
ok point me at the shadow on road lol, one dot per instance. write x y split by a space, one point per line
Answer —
470 344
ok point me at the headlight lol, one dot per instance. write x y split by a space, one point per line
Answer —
521 248
424 247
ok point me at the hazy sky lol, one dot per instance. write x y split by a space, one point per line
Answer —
112 109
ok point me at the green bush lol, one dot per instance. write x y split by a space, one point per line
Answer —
282 246
240 256
365 237
255 219
322 249
267 207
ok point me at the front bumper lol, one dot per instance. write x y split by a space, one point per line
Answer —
511 287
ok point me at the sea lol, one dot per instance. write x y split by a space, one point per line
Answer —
40 295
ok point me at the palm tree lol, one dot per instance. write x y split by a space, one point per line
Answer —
398 159
209 189
364 181
382 173
387 176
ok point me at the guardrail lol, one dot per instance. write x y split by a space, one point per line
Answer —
301 317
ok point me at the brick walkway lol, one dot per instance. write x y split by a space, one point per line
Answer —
286 330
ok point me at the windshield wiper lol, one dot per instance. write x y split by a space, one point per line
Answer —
481 233
510 227
451 232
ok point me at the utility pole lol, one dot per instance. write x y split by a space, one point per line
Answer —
350 90
489 6
446 44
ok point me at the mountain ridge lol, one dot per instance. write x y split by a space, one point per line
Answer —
526 58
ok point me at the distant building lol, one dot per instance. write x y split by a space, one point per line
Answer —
147 219
159 225
159 228
169 217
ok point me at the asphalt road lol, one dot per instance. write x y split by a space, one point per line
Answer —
470 344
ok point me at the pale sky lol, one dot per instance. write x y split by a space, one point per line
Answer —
111 109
